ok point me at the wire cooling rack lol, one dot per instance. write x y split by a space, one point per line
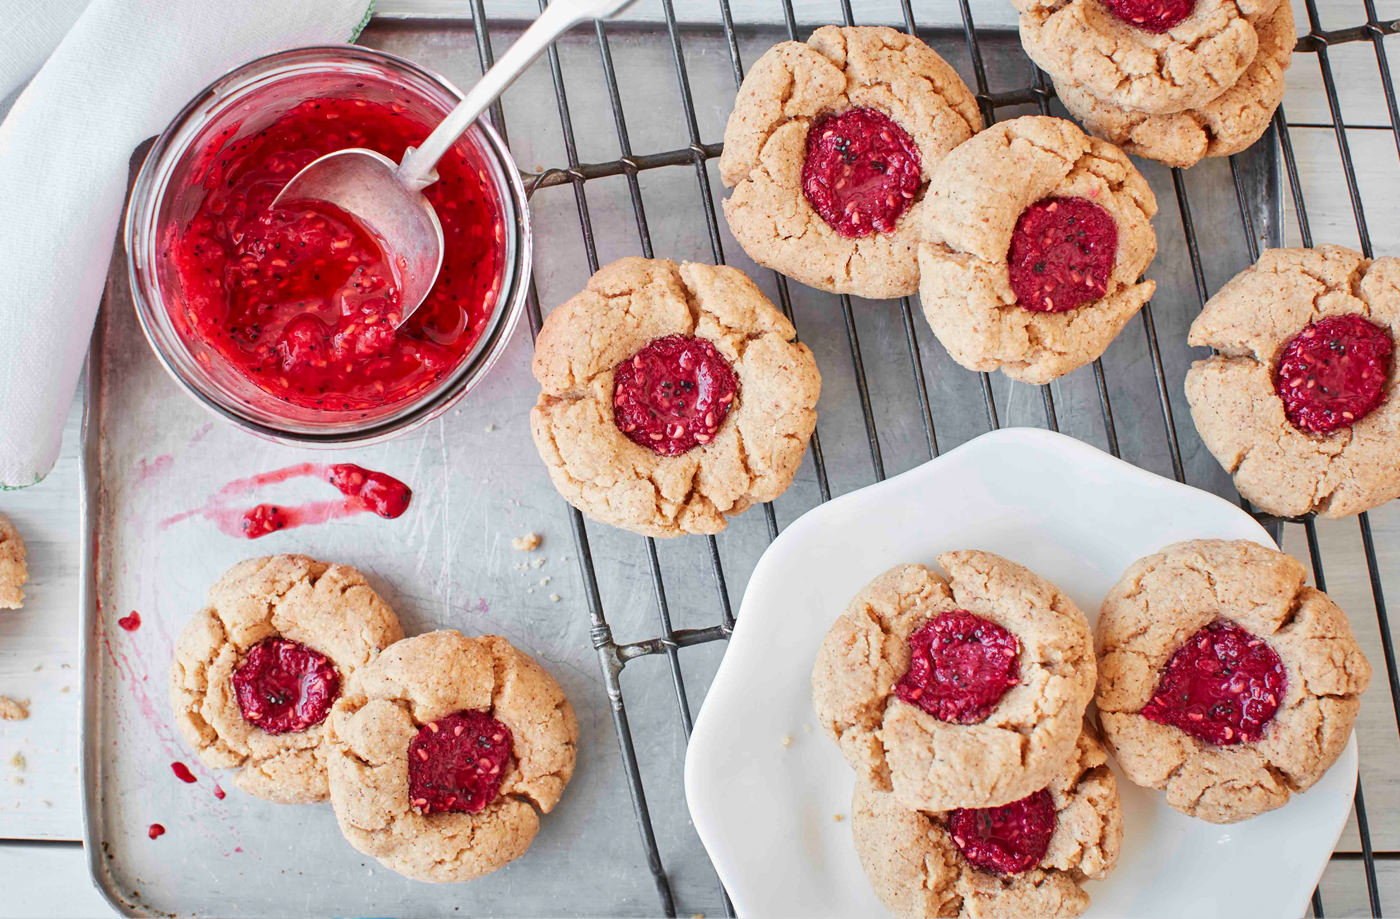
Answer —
1317 41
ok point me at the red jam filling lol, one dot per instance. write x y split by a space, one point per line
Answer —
300 300
861 172
457 763
1005 840
1222 687
674 394
960 665
1333 373
283 686
1151 15
1061 255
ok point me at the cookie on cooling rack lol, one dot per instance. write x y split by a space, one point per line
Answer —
1299 401
1224 679
1152 56
257 670
1027 858
14 569
828 150
673 397
1035 237
961 691
443 752
1224 125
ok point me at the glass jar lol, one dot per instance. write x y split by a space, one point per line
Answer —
168 193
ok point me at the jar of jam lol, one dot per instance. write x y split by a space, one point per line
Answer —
287 320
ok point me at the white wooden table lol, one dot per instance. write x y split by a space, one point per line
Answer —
42 864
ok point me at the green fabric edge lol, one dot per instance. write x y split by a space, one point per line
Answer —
364 21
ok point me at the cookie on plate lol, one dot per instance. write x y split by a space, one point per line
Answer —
257 670
673 397
442 751
14 569
1226 124
1027 858
1153 56
1035 237
1299 401
961 691
1224 679
828 150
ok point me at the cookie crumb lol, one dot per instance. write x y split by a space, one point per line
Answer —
555 598
13 709
527 543
490 427
787 740
539 562
19 762
544 580
14 569
839 818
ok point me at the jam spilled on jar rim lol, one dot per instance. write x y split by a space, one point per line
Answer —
674 394
960 665
283 686
861 171
457 763
1334 373
1062 254
300 300
1005 840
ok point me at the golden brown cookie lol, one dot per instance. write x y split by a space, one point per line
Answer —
14 569
1299 401
1153 56
673 397
828 150
1028 858
1224 679
964 691
256 671
441 752
1035 236
1227 124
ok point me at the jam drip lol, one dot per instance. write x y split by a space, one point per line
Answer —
283 686
1334 373
457 763
1222 687
960 665
674 394
861 172
1005 840
1151 15
1061 255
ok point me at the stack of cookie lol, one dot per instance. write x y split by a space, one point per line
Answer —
1173 81
437 752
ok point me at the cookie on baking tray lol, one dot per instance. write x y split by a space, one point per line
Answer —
443 752
673 397
1224 679
14 568
1226 124
961 691
828 149
1152 56
256 671
1299 401
1027 858
1035 237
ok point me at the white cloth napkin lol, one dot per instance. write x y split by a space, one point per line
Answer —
117 77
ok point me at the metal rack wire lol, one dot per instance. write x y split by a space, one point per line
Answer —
669 641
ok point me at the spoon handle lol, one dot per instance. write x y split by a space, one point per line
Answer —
417 169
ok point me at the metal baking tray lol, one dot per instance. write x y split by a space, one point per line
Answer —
617 132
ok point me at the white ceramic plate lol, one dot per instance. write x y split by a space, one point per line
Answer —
767 811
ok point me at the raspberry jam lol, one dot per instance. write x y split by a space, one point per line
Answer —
1005 840
300 299
1334 372
283 686
457 763
960 665
1151 15
861 172
1223 686
674 394
1061 255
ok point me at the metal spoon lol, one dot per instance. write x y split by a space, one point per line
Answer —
387 197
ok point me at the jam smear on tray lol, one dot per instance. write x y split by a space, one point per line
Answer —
300 299
1005 840
283 686
674 394
457 763
861 173
1061 255
1151 15
960 665
1223 686
1334 373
